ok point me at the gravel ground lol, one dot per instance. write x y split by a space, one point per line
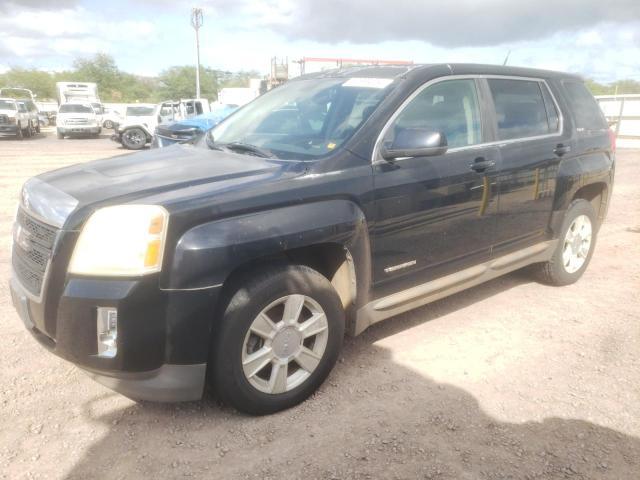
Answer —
509 380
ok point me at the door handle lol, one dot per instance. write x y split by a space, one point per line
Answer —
481 164
561 149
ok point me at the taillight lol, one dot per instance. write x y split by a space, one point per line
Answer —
612 140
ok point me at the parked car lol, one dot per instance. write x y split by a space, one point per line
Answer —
75 119
186 130
43 120
111 118
137 128
14 119
32 114
242 259
99 109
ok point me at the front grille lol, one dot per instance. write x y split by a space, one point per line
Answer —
4 119
32 247
77 121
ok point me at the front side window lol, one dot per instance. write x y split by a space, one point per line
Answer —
304 119
140 111
520 109
450 107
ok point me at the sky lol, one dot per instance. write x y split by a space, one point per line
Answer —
599 39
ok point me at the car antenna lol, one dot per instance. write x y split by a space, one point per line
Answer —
506 59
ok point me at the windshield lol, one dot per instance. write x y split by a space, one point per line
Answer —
7 105
304 119
75 108
140 111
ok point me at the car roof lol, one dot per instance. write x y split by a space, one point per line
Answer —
398 71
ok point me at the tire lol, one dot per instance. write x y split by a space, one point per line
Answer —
19 132
557 271
60 135
29 130
134 138
38 127
268 292
108 124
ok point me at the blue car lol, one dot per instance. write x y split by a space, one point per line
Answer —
185 130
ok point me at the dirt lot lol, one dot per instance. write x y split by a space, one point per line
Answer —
510 380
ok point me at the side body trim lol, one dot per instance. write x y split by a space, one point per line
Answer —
414 297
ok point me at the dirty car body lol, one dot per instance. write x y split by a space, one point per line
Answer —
390 231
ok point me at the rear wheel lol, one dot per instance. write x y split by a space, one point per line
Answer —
575 246
108 124
134 138
279 338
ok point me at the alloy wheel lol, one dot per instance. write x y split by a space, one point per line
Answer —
285 344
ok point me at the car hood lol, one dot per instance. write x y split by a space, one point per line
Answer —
132 177
10 113
76 115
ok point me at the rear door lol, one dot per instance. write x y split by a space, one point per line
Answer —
529 130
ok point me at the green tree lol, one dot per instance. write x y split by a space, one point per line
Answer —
41 83
180 82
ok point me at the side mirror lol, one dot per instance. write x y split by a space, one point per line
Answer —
415 142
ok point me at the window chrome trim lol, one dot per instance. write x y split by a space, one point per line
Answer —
377 158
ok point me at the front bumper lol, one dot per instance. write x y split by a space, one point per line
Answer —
8 129
80 129
163 337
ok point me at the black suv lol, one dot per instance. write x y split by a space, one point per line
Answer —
328 204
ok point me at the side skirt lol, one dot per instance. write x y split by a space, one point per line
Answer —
415 297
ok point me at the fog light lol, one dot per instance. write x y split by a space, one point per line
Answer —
107 332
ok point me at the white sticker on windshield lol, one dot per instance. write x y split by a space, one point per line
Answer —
367 82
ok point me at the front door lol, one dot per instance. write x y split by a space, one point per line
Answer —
436 214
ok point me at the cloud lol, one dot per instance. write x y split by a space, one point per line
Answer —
449 24
8 6
51 34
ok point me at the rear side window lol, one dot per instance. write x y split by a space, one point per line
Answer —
450 107
585 110
520 109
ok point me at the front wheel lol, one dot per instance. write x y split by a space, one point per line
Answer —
19 132
60 135
576 243
134 138
279 337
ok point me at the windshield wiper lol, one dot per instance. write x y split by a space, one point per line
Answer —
247 147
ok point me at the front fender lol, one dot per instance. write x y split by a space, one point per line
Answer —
207 254
145 129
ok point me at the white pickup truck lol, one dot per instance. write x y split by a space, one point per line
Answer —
77 119
15 119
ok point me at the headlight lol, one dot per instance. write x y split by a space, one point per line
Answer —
125 240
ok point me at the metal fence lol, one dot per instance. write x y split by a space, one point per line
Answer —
624 112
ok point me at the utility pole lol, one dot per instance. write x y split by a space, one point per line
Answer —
196 23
